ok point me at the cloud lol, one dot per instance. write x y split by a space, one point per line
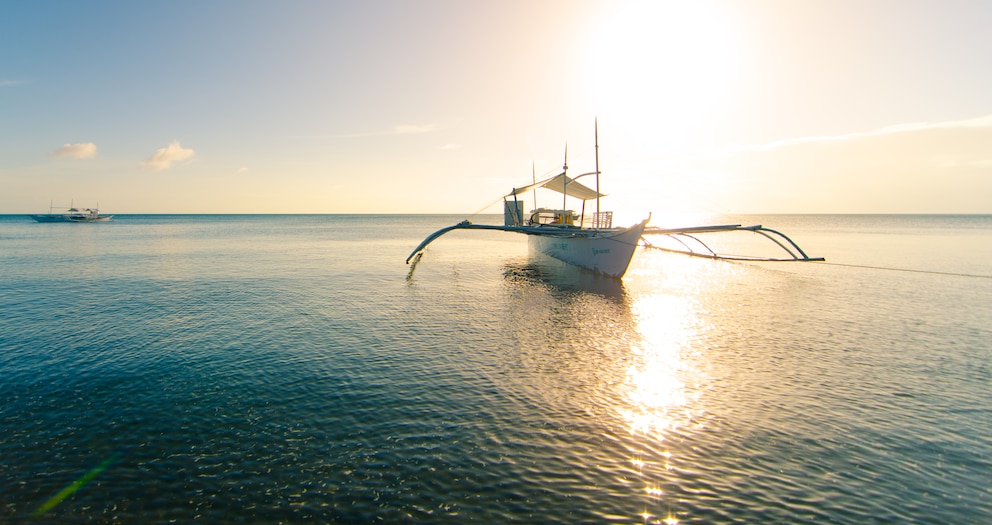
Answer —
242 169
5 82
448 147
85 150
164 158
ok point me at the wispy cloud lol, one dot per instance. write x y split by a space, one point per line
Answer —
935 166
6 82
85 150
979 122
165 158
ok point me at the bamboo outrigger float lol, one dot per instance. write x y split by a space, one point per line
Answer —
597 245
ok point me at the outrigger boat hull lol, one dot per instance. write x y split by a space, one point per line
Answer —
609 251
602 251
562 234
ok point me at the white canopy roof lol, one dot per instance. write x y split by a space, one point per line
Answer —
562 184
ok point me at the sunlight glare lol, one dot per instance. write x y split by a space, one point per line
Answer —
664 65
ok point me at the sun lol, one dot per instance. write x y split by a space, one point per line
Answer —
662 68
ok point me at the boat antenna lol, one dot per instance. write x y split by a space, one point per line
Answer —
597 166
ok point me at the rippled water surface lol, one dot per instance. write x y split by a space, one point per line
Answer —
292 369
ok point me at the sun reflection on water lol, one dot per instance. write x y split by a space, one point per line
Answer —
661 389
657 394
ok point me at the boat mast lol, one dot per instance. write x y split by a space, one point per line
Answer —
597 168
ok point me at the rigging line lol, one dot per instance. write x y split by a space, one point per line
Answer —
931 272
484 208
547 175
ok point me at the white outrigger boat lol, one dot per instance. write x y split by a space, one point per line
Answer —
595 244
72 214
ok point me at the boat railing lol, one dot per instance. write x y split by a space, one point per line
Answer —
601 219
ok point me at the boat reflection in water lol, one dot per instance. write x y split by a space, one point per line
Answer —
541 269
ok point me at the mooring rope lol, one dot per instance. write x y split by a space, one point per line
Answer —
732 258
910 270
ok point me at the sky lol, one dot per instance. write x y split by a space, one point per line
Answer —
443 106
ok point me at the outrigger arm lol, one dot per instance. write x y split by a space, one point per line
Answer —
466 225
779 238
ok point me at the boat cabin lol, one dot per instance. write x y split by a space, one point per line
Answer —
556 217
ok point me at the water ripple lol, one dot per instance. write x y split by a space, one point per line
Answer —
288 370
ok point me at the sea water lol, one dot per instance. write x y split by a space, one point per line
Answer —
292 369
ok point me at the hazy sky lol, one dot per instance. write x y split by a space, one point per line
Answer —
748 106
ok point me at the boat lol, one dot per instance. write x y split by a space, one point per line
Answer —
593 243
607 251
588 242
72 214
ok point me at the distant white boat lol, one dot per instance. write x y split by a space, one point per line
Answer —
595 244
72 214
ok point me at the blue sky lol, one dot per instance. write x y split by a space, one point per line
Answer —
749 106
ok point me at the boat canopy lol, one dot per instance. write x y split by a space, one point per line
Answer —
562 184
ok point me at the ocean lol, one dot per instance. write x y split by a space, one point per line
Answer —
292 369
